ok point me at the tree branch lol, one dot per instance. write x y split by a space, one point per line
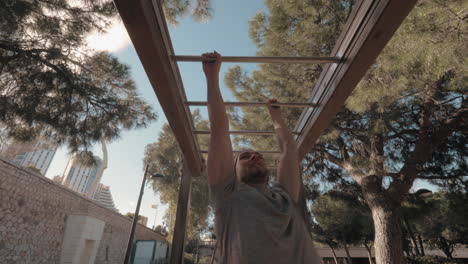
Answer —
427 142
402 133
343 150
440 177
332 158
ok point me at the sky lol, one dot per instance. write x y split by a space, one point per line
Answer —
226 32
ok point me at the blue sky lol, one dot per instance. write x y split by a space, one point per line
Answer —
226 33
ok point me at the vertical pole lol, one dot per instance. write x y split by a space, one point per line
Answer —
178 240
155 215
135 219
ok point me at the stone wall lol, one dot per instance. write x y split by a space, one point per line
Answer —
33 213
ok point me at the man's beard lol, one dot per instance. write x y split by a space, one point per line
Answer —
255 175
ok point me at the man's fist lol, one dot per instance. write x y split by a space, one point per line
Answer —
275 110
213 64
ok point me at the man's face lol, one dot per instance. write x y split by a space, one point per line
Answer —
250 168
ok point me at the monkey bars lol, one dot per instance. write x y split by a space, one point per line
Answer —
302 60
246 104
259 151
370 26
241 132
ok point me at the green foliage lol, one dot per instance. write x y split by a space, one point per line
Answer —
200 10
431 43
341 219
34 169
86 158
131 215
165 157
441 220
58 179
298 28
205 260
430 260
161 229
405 120
421 73
54 86
189 258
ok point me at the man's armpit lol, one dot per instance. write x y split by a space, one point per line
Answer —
219 193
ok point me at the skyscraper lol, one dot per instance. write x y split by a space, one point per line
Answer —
104 196
80 177
38 153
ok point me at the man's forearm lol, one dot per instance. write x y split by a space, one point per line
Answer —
220 166
288 172
285 138
216 106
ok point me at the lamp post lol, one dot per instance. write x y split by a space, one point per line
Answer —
137 211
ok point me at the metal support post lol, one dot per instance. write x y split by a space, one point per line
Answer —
178 240
135 219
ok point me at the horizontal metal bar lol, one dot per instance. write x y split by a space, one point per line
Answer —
242 132
261 59
202 103
260 151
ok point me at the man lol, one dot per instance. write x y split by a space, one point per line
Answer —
254 223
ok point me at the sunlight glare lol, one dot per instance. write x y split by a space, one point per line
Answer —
115 39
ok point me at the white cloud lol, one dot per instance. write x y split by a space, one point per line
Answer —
115 39
131 203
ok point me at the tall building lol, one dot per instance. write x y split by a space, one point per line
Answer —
80 177
38 153
104 196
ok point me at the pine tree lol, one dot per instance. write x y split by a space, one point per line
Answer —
174 9
165 157
53 85
341 220
404 121
444 226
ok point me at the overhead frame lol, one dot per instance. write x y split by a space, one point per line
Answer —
148 31
370 26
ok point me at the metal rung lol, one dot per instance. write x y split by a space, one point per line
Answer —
261 151
262 59
300 105
253 133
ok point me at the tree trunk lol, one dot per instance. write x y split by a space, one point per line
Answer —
445 247
411 234
421 245
350 261
387 244
369 253
334 254
197 256
408 252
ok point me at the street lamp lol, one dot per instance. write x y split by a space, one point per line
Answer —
137 212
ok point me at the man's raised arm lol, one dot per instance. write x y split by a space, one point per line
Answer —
220 158
288 172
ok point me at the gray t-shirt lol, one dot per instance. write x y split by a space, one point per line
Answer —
253 227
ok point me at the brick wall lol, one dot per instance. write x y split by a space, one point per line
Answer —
33 213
